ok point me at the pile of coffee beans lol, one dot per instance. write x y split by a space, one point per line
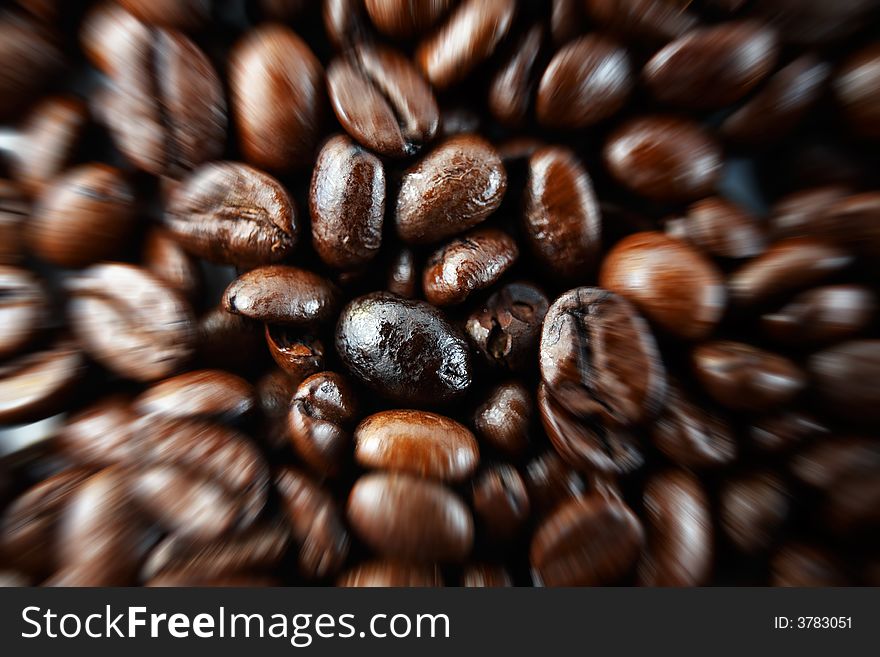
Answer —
452 292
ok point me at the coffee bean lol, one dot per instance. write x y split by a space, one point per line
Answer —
227 341
390 574
825 465
23 309
813 22
101 434
501 503
401 19
503 419
666 159
179 579
382 101
130 321
274 392
782 431
174 13
347 204
485 576
417 442
206 394
642 19
560 213
719 228
231 213
107 32
298 356
806 566
800 214
846 379
587 81
754 508
855 86
165 259
404 350
31 58
14 211
279 294
598 358
403 279
512 89
675 287
852 222
822 315
346 23
587 541
550 482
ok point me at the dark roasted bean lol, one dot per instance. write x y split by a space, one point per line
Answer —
503 419
402 19
754 508
785 430
23 309
501 502
512 88
485 576
390 574
208 394
822 315
165 258
847 379
806 566
101 434
855 85
655 20
298 356
719 228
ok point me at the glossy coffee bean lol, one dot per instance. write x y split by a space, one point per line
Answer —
823 315
417 442
468 37
550 481
653 20
501 502
401 19
32 58
279 294
852 223
299 356
588 80
403 278
454 187
206 394
744 378
675 287
175 13
566 17
14 210
587 541
276 86
467 264
825 465
227 341
166 259
23 309
845 378
85 216
563 225
679 550
599 358
233 214
785 430
503 419
800 565
485 576
347 204
719 228
403 516
855 85
382 101
801 213
512 89
505 330
346 23
666 159
787 266
711 67
130 321
101 434
404 350
390 574
754 508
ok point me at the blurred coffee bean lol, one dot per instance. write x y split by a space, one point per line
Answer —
801 213
815 22
390 574
719 228
23 309
512 90
206 394
164 258
401 19
417 442
784 430
299 356
183 14
550 482
501 502
856 85
503 419
846 379
652 20
403 278
853 222
822 315
485 576
101 434
274 391
188 579
30 57
346 23
227 341
826 464
754 508
801 565
14 211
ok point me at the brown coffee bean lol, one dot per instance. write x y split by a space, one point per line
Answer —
787 266
206 394
802 565
666 159
101 434
744 378
172 13
454 187
316 524
233 214
468 264
855 85
563 225
277 89
801 213
14 212
346 23
550 481
675 287
652 20
679 549
130 321
403 278
165 259
587 81
822 315
298 356
382 101
107 32
599 358
468 37
401 19
186 579
227 341
824 465
501 503
23 309
754 508
719 228
485 576
390 574
503 419
814 22
279 294
85 216
852 222
587 541
401 516
274 392
31 59
512 89
780 432
347 204
404 350
417 442
847 380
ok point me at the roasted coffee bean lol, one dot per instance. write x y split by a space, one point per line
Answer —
315 524
14 211
130 321
83 217
855 85
165 258
417 442
233 214
468 264
719 228
745 378
403 278
276 84
503 419
561 215
550 482
692 434
587 541
782 431
800 214
274 392
599 358
347 204
278 294
822 315
779 105
506 329
712 66
402 19
404 350
587 81
826 464
501 503
454 187
485 576
390 574
298 356
101 434
207 394
179 579
754 508
813 22
31 58
654 20
227 341
173 13
852 222
466 39
847 380
321 415
382 101
404 517
107 33
802 565
23 309
675 287
666 159
679 550
346 23
512 89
